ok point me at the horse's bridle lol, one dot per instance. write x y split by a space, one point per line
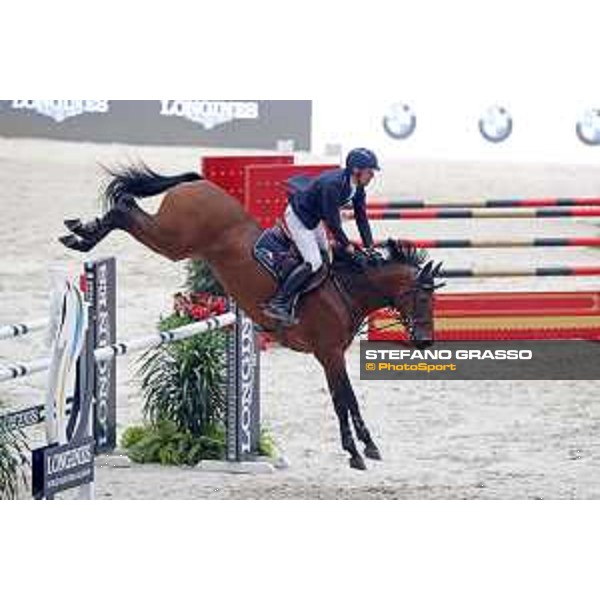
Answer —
428 273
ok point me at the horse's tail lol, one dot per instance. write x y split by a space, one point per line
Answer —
141 181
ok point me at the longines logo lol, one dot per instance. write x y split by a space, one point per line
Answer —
209 113
248 367
104 371
61 110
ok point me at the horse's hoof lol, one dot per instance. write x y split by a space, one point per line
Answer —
74 243
70 241
372 452
72 224
358 462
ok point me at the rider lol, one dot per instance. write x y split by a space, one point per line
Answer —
319 204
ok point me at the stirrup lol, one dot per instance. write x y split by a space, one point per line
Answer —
280 312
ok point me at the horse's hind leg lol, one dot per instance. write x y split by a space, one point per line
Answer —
86 235
127 216
160 232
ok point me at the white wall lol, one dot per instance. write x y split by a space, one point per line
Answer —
447 125
452 60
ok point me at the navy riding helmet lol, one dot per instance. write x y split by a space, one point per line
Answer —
361 158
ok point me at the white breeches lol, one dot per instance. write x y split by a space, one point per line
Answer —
310 242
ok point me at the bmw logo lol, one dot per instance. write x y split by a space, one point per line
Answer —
496 124
588 127
399 122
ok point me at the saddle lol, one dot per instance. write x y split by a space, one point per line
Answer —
276 252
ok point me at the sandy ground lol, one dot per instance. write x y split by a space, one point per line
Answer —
439 440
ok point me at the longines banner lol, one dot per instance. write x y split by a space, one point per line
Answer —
222 123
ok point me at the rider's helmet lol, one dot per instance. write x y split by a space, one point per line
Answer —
361 158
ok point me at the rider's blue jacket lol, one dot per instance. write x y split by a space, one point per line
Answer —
322 199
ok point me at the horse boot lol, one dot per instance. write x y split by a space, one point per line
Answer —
281 306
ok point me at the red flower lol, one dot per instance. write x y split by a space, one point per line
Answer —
199 305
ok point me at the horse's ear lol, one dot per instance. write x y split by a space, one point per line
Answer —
426 270
392 246
437 270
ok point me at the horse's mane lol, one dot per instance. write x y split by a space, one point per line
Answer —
395 252
355 278
401 251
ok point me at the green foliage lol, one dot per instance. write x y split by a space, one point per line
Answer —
14 462
201 279
132 435
163 443
184 382
266 444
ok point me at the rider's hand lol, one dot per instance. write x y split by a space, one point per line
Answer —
350 249
372 255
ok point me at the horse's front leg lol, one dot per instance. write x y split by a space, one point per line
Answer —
339 386
362 432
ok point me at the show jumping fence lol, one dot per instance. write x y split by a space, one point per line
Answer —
478 213
482 203
21 329
243 405
509 242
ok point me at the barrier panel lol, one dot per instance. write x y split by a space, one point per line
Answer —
229 172
504 316
266 191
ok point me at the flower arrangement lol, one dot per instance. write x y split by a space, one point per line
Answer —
202 305
199 305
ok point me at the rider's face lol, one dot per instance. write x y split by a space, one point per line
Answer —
363 176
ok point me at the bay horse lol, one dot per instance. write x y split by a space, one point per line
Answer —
198 220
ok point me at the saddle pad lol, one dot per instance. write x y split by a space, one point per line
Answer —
276 253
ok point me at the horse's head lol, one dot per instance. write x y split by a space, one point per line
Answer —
406 282
416 305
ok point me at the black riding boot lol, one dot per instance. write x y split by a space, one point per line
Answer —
281 306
